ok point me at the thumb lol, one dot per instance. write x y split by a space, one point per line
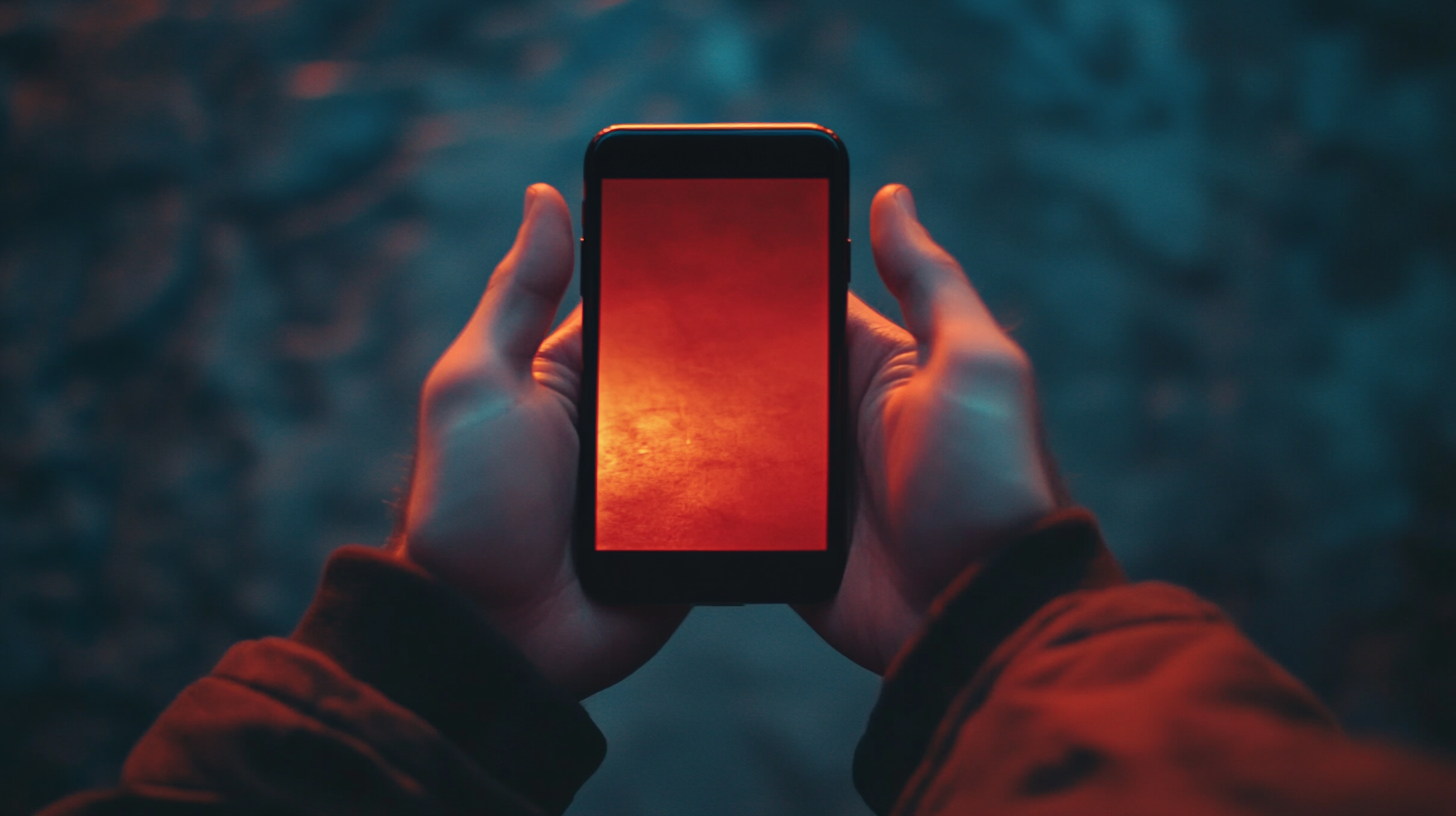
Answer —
934 294
521 299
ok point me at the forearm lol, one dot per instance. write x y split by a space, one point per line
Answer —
1108 697
392 696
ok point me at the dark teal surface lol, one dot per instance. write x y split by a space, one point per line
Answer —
1225 231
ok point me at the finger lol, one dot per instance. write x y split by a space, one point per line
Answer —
558 366
524 291
934 294
867 330
563 347
872 339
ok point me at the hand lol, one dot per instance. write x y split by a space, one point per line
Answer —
490 504
950 459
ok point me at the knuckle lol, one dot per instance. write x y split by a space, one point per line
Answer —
455 387
931 274
989 362
448 396
942 263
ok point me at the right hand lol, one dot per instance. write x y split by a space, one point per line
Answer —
950 455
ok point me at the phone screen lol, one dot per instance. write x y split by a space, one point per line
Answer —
713 365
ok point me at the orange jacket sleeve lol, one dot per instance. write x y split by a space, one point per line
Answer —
393 696
1045 684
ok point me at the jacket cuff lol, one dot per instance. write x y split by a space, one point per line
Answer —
425 646
1062 553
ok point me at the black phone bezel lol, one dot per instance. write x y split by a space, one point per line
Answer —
716 151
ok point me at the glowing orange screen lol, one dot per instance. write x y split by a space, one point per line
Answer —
713 365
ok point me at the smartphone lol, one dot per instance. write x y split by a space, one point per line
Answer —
715 447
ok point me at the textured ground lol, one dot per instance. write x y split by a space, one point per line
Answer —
234 235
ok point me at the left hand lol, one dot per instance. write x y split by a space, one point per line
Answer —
490 504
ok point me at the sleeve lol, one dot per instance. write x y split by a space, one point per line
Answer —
393 696
1046 684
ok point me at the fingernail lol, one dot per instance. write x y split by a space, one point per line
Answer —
530 201
906 201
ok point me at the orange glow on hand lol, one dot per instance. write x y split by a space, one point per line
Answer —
713 390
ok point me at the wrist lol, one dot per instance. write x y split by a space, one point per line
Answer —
518 625
439 562
971 620
429 649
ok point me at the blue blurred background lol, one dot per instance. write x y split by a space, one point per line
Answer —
235 235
